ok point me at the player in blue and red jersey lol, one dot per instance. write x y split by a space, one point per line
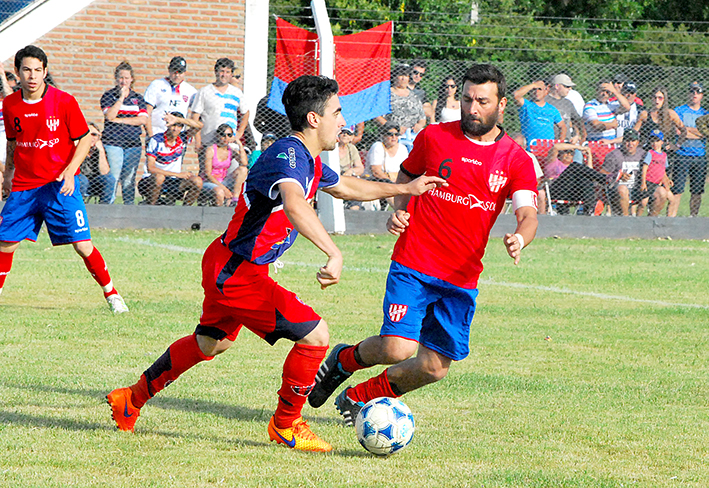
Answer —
47 140
272 210
432 284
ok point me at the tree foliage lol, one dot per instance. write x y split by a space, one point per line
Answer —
593 31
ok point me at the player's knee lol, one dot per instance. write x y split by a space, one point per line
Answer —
159 180
83 248
397 349
212 347
434 373
319 336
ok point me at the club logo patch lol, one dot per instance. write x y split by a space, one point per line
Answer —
497 181
397 312
52 123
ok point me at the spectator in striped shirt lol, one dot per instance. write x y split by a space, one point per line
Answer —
600 119
164 174
125 112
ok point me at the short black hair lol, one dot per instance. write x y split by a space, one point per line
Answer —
307 94
420 63
479 74
30 52
223 63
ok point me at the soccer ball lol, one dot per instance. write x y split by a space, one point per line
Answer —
384 426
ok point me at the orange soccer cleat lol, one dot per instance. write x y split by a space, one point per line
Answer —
122 410
299 436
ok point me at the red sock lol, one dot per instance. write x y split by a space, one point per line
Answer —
179 357
97 267
348 361
376 387
5 266
299 371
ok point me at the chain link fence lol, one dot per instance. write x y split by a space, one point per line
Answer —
608 139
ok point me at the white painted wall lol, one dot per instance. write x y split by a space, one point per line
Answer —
39 19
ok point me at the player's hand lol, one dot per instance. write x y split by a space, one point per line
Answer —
68 186
643 186
424 183
125 90
398 222
513 247
330 273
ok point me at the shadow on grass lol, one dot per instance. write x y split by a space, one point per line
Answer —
232 412
227 411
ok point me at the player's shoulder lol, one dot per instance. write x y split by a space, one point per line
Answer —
12 100
287 148
509 146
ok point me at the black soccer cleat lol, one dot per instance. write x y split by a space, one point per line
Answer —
348 408
328 378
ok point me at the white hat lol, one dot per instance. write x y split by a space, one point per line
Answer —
562 79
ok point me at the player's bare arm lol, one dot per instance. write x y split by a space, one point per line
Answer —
524 233
9 170
82 150
399 220
303 217
351 188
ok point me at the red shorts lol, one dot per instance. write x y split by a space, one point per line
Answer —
239 293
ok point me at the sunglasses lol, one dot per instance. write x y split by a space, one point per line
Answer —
452 86
391 133
227 134
237 76
417 72
695 90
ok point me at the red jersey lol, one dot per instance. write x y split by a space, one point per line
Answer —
44 133
450 226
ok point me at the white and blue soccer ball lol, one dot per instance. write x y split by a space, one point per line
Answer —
384 426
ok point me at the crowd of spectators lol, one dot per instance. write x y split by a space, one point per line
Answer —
613 154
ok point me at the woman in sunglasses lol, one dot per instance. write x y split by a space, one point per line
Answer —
446 108
224 163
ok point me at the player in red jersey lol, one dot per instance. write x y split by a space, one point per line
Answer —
272 209
47 140
431 288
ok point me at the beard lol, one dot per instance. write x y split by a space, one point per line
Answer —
478 126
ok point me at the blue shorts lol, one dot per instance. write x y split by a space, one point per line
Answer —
65 216
428 310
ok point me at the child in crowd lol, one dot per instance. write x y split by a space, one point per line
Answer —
654 183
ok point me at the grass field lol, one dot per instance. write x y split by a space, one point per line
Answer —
588 368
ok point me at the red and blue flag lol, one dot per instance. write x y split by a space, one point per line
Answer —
362 68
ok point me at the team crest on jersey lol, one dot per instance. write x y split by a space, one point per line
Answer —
497 181
53 123
184 97
397 312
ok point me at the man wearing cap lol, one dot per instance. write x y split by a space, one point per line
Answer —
626 120
600 119
622 167
538 118
220 103
167 95
559 87
691 156
619 81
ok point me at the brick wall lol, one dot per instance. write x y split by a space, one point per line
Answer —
84 51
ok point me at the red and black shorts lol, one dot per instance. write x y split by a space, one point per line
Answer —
239 293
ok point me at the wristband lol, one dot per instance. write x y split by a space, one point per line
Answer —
521 240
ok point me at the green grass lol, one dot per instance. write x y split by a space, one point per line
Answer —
588 368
